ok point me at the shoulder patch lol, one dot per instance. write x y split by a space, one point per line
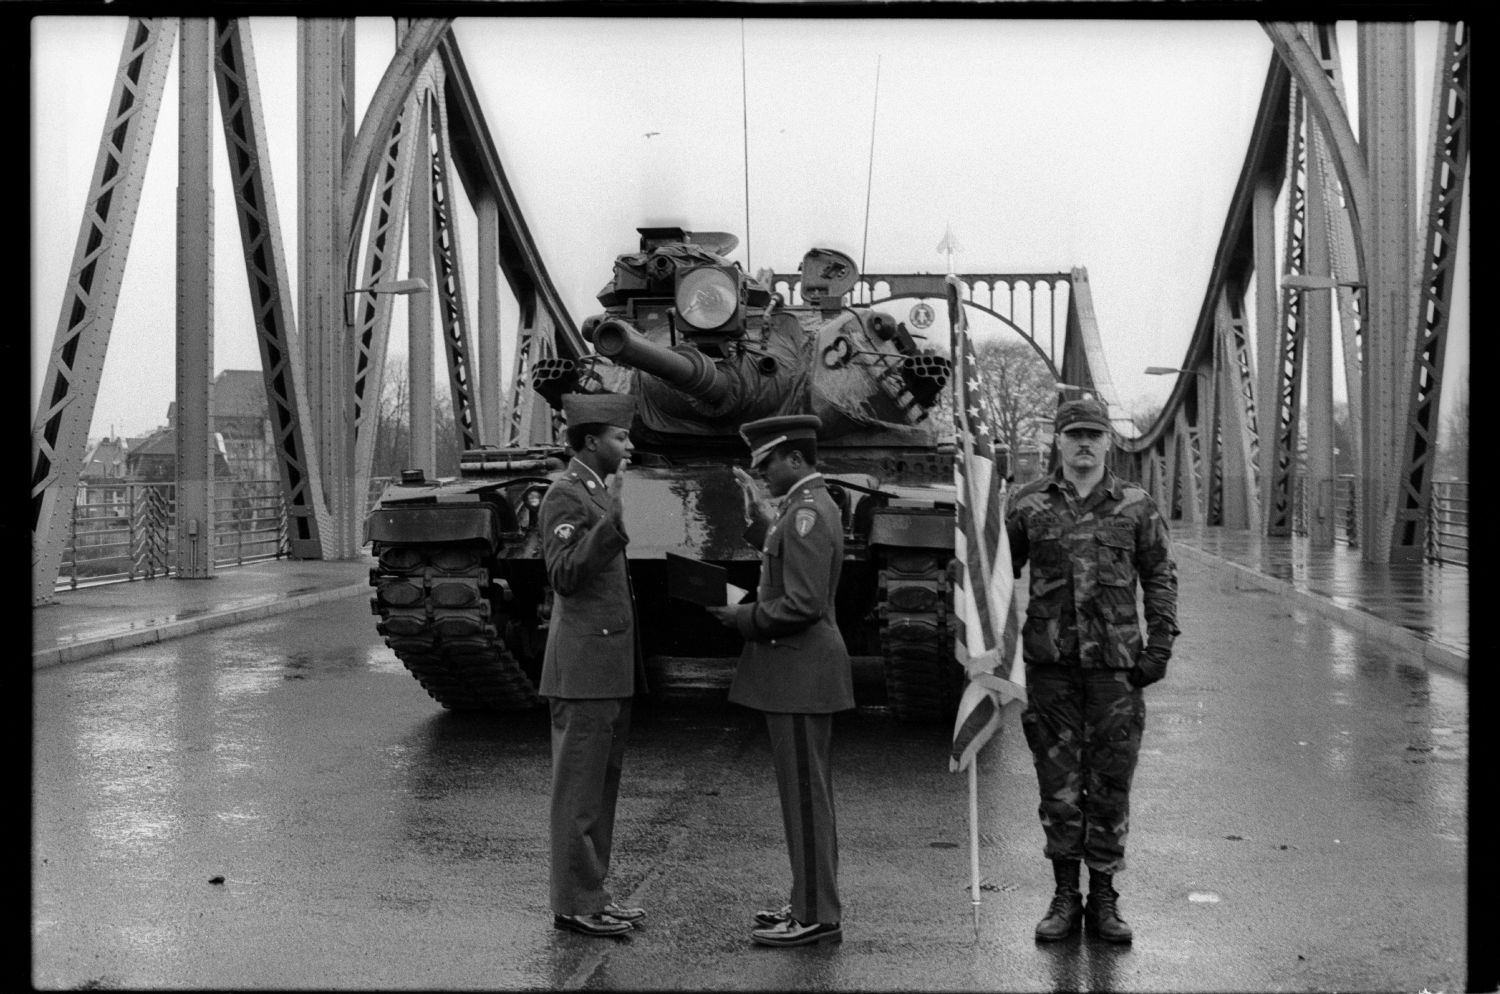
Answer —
564 531
804 520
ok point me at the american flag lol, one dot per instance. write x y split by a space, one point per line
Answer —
984 594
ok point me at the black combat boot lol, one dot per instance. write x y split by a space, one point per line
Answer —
1067 904
1102 916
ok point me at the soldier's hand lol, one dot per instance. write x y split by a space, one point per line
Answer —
614 488
1150 666
725 615
757 504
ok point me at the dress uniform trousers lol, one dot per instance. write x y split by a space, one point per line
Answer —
588 752
801 745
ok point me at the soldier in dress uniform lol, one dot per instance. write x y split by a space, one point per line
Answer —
592 667
795 667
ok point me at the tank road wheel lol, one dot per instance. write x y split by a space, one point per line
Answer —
435 614
914 602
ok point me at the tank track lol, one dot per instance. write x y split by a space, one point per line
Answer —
435 612
914 605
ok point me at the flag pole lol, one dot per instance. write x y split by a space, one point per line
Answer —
974 838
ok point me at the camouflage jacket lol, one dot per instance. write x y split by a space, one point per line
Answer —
1086 556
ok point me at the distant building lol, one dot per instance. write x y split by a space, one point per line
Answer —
105 476
241 422
154 458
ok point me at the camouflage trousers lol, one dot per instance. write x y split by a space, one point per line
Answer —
1084 728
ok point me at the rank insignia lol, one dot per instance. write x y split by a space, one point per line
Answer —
564 531
804 520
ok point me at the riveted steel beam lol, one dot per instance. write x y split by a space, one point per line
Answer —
194 439
1236 414
492 414
322 127
270 289
367 153
479 168
1326 107
371 324
70 387
1386 229
1447 164
447 261
1285 397
419 305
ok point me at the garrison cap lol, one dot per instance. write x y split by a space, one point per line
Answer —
615 409
764 435
1086 413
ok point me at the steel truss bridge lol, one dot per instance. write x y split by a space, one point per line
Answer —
1359 244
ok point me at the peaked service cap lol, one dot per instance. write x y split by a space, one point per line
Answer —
764 435
616 409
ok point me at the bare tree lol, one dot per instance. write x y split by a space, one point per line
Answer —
1453 440
393 426
1144 416
1017 390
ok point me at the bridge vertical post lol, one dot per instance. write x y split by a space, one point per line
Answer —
1386 70
1319 344
1267 326
1188 466
490 370
194 437
1236 410
321 260
419 351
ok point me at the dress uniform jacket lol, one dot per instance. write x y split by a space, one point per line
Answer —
794 660
593 648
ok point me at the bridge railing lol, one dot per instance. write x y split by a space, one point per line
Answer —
1447 517
129 531
1448 523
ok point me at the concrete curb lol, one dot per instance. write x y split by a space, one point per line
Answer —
1394 635
152 632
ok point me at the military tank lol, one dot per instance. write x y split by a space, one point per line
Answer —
461 592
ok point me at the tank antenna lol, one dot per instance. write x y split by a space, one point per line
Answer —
871 173
745 132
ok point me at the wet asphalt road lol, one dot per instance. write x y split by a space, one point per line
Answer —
1300 823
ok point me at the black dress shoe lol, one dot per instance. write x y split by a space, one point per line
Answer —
768 918
599 924
624 914
793 933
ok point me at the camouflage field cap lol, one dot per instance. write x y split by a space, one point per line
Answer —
1085 413
616 409
764 435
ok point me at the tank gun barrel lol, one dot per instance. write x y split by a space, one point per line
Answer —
684 368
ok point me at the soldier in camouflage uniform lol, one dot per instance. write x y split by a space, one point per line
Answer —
1089 538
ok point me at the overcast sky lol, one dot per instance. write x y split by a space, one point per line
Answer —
1046 144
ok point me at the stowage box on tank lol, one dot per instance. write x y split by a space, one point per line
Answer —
461 591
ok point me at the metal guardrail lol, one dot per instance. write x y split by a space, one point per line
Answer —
129 531
1447 517
1448 523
